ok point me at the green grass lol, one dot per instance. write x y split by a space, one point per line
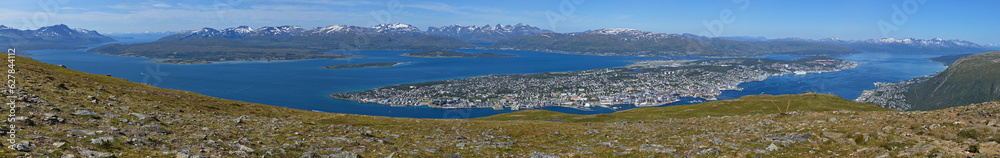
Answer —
971 79
748 105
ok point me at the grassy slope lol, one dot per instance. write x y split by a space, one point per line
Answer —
971 79
748 105
194 123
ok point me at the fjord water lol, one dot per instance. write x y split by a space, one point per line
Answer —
305 84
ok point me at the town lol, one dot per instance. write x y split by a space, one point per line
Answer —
644 83
890 94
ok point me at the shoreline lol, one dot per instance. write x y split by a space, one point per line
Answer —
587 100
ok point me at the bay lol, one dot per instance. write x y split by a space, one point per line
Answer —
305 84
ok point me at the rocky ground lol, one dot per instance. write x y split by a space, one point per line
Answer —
64 113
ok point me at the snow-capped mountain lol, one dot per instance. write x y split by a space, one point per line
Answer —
902 45
336 29
62 31
485 33
229 33
909 45
632 42
50 37
328 38
993 46
242 32
633 34
396 28
278 30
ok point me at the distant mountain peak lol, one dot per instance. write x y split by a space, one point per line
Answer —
392 26
241 29
486 33
907 45
61 30
278 30
396 28
57 26
207 29
633 42
615 31
57 36
332 28
283 32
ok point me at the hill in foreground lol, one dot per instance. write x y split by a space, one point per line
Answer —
748 105
64 112
970 79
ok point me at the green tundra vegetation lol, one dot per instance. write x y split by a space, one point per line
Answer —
970 79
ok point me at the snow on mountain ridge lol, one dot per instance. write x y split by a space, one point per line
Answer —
277 30
485 33
396 28
615 31
240 29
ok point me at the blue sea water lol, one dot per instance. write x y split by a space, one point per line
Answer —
305 84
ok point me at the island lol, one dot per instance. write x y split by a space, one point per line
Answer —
206 51
645 83
362 65
437 53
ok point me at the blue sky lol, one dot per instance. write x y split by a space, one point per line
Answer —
973 20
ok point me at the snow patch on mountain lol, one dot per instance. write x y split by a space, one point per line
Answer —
485 33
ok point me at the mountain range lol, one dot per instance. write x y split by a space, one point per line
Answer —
993 46
632 42
486 33
252 42
279 33
279 43
909 45
470 34
50 37
891 45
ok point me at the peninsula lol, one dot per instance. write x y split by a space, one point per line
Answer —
646 83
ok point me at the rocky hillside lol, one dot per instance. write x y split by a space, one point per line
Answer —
970 79
62 112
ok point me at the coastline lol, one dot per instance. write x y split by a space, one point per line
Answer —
586 100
